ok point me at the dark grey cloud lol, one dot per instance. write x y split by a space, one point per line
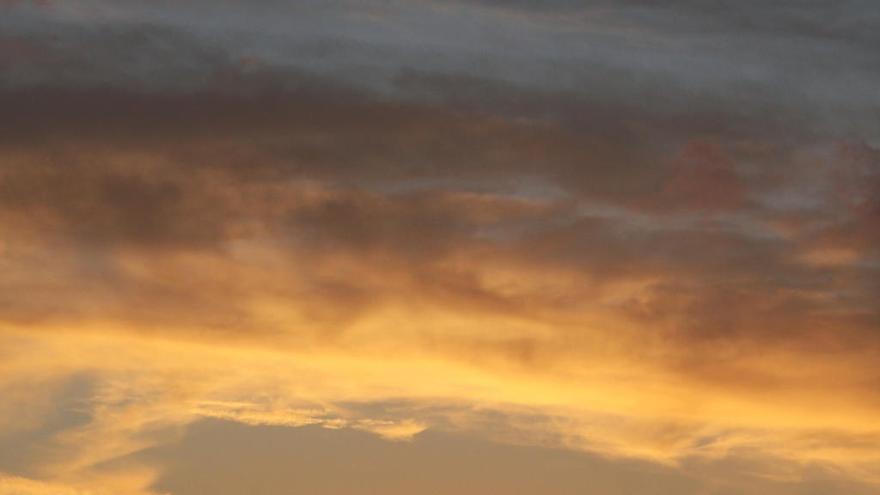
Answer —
810 62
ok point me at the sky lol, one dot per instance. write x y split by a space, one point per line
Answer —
442 247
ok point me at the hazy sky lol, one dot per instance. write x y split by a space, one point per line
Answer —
439 247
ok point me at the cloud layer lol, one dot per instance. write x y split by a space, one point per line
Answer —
649 234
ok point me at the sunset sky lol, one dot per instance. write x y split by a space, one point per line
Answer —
439 247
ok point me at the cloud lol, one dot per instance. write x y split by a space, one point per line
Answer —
147 389
14 485
633 231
